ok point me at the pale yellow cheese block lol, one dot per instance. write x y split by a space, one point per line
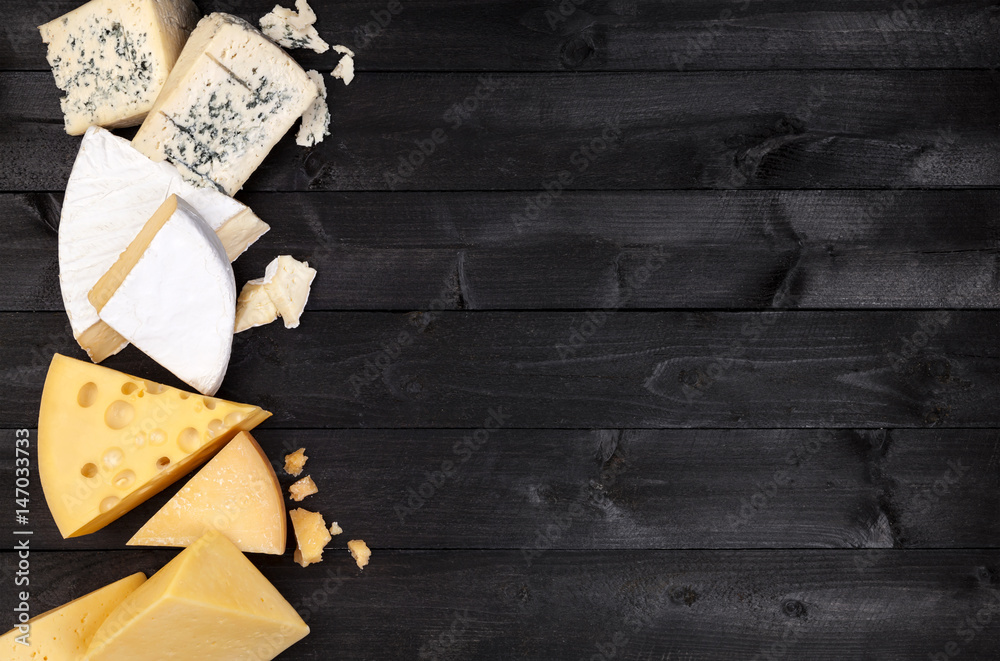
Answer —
107 441
208 603
63 634
311 536
236 493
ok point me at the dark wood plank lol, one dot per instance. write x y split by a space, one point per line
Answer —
894 129
636 369
823 605
631 489
682 249
641 35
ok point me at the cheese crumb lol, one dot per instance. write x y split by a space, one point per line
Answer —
295 462
311 536
335 529
288 283
316 120
360 551
294 29
345 68
254 307
302 488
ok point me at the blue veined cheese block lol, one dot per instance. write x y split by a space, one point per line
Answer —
230 98
111 58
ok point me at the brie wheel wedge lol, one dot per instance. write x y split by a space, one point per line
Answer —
112 191
172 294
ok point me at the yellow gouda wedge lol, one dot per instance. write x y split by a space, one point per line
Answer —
107 441
63 634
209 602
236 493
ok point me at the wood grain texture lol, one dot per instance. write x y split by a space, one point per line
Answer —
682 249
641 35
539 132
627 489
634 369
900 606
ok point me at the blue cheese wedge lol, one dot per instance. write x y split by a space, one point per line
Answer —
112 191
294 29
112 57
172 294
231 96
316 122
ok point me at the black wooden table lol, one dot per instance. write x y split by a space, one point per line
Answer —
642 330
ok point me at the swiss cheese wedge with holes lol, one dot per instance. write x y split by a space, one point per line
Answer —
107 441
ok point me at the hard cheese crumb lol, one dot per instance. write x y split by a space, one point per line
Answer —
311 536
360 551
302 488
345 68
295 462
335 529
254 307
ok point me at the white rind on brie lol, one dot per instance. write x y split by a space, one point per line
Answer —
112 191
177 302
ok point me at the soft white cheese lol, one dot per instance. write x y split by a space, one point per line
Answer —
316 122
112 191
177 303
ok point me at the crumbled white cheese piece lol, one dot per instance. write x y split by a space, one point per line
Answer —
335 529
345 68
316 120
294 29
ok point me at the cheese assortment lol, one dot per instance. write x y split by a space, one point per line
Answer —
108 441
232 94
112 192
147 235
64 633
209 602
236 493
188 328
294 28
112 57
